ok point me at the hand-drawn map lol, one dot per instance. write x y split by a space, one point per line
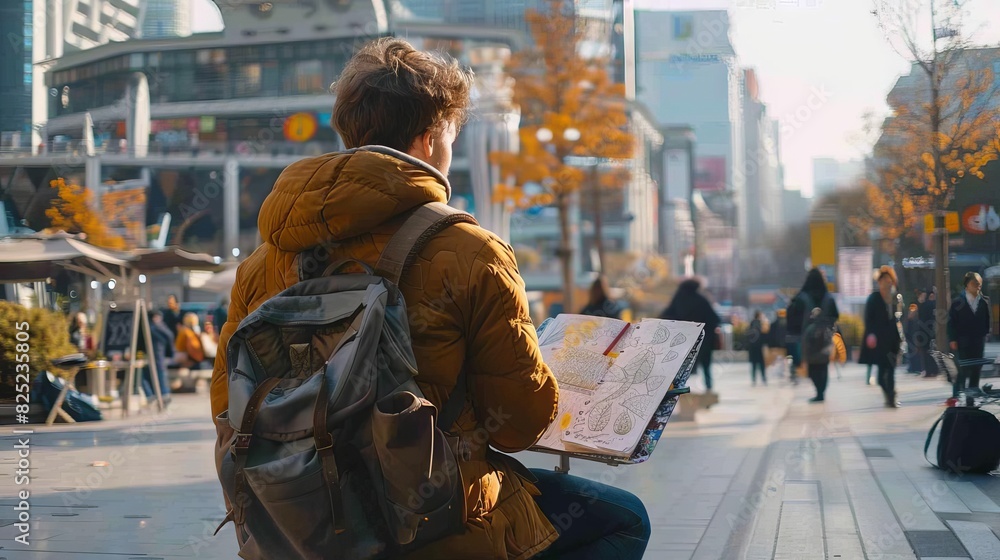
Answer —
607 401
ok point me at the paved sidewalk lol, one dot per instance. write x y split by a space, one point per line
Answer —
847 479
763 474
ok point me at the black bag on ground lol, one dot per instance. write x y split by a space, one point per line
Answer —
969 442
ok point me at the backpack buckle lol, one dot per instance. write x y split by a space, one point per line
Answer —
242 443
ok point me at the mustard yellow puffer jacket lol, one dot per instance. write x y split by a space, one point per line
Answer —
466 305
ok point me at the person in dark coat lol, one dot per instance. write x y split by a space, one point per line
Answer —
968 327
689 304
172 314
221 313
163 348
882 341
756 338
599 304
777 340
923 339
911 328
813 295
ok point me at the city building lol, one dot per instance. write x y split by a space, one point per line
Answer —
830 175
688 74
676 226
763 169
795 207
206 122
16 74
166 18
94 22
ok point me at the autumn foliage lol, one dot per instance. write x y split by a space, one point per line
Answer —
909 180
558 88
72 212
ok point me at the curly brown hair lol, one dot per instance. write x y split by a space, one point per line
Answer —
389 93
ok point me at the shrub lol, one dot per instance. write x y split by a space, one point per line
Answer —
48 338
852 328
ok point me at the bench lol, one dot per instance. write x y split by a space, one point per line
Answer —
690 403
185 380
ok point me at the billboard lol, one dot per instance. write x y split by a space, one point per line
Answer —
710 174
854 272
678 173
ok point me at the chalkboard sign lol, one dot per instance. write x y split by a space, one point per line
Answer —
118 332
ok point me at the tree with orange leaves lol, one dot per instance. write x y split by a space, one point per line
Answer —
945 123
72 212
569 106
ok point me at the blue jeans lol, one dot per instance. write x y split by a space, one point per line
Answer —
594 520
161 376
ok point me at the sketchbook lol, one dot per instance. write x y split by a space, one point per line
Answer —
618 383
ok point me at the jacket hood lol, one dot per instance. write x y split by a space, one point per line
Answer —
338 196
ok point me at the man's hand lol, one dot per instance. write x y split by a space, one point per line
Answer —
953 346
871 341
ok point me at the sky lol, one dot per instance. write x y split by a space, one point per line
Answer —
803 50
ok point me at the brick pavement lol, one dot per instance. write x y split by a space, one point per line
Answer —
763 474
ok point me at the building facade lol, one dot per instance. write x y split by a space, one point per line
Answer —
166 18
762 173
16 73
228 110
688 74
830 175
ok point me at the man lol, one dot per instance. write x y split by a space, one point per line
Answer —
220 314
172 314
924 339
163 348
968 326
398 111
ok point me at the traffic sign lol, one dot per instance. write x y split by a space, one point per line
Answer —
951 222
932 222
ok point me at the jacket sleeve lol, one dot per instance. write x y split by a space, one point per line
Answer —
509 381
871 315
220 383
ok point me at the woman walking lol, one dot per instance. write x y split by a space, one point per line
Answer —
882 341
813 307
689 304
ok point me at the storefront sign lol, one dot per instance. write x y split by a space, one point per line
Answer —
300 127
980 218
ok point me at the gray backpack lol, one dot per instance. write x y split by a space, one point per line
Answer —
337 454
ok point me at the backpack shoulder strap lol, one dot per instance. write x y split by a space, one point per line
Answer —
424 223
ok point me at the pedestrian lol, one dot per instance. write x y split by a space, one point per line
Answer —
925 337
191 354
163 348
813 305
778 343
813 294
911 328
79 333
689 304
968 327
882 341
600 304
209 341
756 339
172 314
398 111
220 314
